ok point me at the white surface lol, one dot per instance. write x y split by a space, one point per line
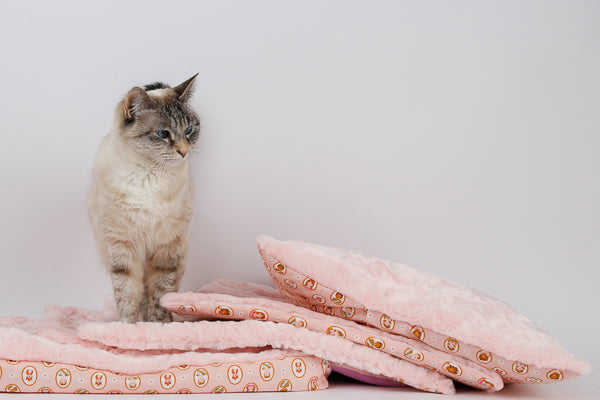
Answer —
458 137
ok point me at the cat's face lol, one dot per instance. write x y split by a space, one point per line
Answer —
158 122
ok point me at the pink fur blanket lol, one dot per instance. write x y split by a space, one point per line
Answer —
113 352
381 322
405 302
49 355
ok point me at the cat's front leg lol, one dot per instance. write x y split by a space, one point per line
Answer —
165 269
128 282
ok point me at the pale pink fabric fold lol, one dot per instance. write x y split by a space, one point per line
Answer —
405 301
48 355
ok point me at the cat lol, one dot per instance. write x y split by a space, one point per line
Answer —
140 199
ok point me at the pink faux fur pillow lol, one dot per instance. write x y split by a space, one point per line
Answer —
402 300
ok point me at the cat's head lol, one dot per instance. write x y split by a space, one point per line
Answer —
158 122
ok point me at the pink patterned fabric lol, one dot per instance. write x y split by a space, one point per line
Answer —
284 374
375 341
380 322
50 356
405 302
257 333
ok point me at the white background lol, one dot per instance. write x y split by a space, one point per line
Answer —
458 137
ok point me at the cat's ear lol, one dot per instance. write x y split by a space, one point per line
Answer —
185 89
136 100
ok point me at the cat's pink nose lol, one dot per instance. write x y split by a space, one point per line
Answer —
182 152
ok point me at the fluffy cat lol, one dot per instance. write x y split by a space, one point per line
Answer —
140 200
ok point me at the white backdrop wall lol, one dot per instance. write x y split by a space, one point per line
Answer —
458 137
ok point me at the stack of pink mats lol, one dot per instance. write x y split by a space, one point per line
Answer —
383 323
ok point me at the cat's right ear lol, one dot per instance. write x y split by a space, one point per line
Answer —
136 100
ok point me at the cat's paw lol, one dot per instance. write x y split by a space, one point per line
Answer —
128 317
158 314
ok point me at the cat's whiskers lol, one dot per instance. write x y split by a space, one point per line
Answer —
199 151
158 165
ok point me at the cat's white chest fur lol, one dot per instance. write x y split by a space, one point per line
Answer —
152 193
147 201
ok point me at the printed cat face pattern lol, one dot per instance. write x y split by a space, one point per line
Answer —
282 374
306 292
408 349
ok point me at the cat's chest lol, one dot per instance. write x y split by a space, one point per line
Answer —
151 195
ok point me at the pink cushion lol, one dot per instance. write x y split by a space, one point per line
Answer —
74 365
50 377
405 301
338 337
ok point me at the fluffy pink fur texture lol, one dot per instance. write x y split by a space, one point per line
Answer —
237 289
224 335
421 298
67 335
275 308
55 338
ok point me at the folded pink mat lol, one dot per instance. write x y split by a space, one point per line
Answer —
49 355
256 331
405 302
409 352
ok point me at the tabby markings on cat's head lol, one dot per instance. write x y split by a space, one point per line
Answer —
159 123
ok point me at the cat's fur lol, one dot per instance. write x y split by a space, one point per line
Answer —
140 200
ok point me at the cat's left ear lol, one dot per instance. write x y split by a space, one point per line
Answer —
185 89
136 100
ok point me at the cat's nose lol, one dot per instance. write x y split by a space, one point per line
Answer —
182 152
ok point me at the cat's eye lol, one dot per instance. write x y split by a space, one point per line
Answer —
162 133
188 130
